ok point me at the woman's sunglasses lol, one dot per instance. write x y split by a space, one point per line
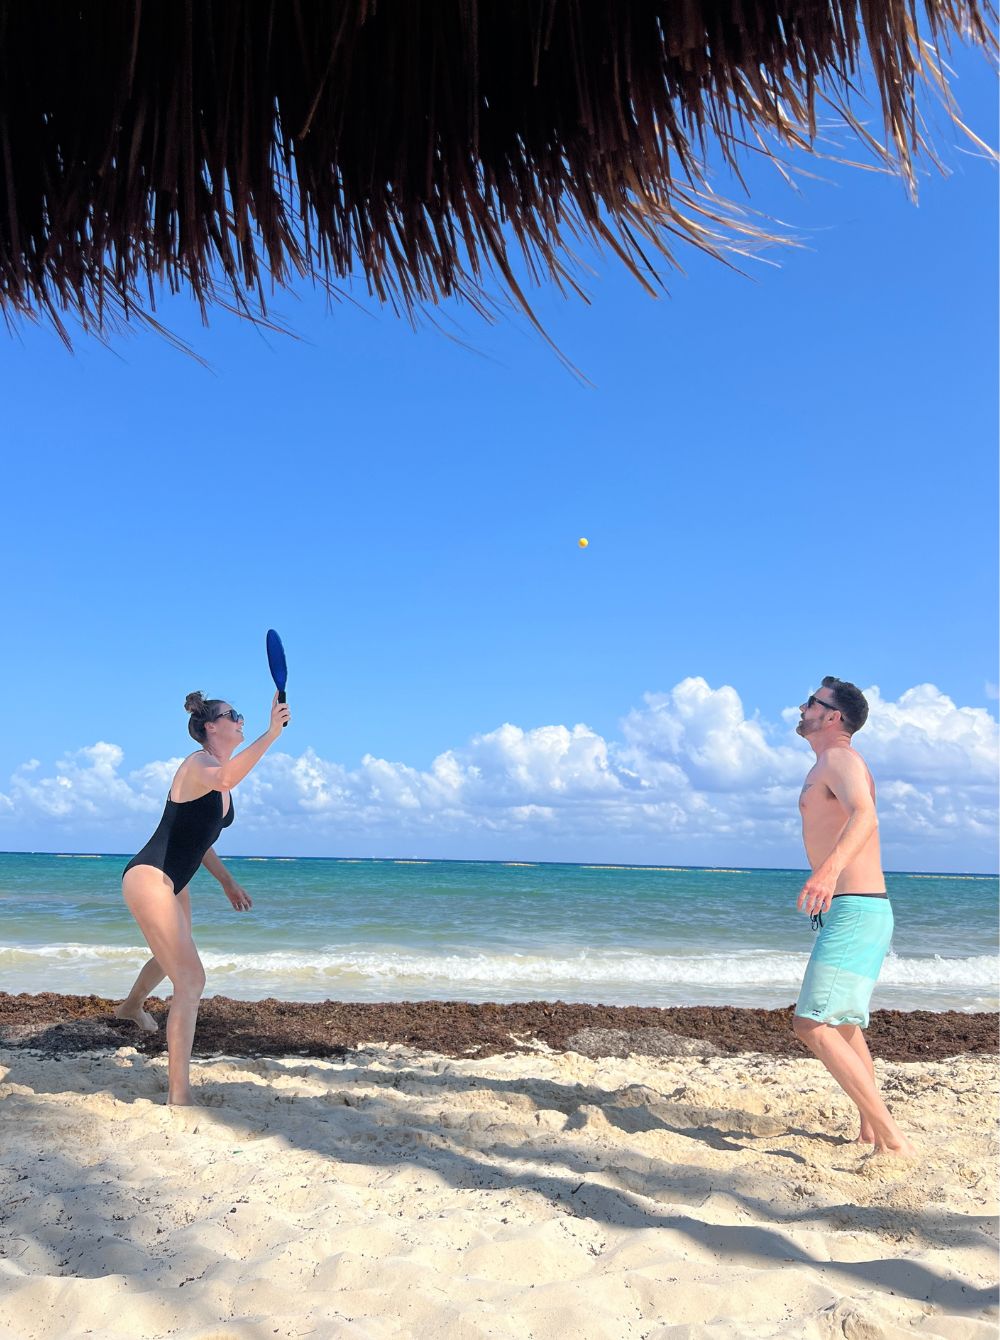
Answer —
232 715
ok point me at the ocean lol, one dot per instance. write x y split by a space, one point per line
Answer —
376 930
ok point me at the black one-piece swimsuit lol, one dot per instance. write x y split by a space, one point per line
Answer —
183 836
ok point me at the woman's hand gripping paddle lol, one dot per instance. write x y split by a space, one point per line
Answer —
276 663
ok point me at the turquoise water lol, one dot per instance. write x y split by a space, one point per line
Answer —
395 930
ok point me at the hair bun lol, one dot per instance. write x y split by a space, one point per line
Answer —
194 702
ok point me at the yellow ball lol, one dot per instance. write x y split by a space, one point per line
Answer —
583 543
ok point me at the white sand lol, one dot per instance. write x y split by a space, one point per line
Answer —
539 1196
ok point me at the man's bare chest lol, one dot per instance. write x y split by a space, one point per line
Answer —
816 800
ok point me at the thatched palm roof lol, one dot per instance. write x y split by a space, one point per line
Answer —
225 145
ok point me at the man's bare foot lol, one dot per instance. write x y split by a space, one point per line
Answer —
143 1020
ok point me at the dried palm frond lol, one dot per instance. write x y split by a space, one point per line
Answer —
227 146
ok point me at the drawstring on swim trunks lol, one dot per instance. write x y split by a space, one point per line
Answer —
816 921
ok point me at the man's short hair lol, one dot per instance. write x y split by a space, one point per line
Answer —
851 702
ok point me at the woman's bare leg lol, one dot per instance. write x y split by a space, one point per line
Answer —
164 920
132 1007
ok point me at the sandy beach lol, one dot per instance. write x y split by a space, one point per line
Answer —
539 1194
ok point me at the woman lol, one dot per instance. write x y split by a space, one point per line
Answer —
155 883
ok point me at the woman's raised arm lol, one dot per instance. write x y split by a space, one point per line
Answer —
216 776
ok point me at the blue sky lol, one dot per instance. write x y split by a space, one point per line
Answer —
781 476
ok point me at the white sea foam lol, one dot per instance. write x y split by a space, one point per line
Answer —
15 955
387 972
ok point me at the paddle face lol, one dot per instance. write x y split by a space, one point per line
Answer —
276 663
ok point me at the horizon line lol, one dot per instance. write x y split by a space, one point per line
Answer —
509 861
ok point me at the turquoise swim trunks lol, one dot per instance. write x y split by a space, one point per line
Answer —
846 961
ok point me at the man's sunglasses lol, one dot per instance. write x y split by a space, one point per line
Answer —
813 699
232 715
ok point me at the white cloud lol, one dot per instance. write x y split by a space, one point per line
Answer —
925 737
87 783
693 778
702 735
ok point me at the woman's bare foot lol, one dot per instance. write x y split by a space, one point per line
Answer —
866 1136
142 1019
182 1100
901 1150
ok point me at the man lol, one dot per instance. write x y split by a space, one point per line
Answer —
847 887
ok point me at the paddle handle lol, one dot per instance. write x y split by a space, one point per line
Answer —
282 699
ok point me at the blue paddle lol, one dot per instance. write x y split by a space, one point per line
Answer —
276 663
